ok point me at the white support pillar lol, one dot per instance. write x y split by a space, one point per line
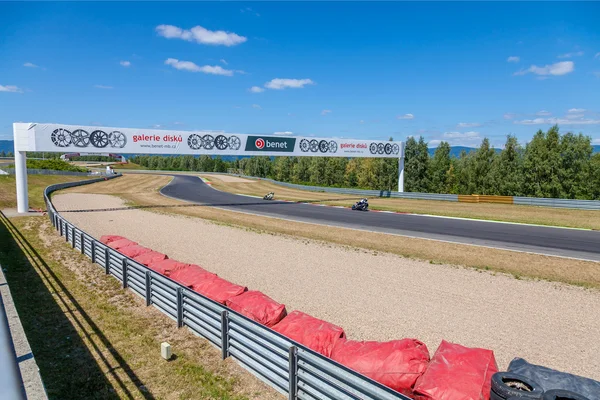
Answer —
21 178
401 174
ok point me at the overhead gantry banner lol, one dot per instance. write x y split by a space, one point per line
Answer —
95 139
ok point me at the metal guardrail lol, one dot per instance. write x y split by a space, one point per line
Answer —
557 203
33 171
290 368
11 382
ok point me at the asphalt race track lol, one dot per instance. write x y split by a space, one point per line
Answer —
564 242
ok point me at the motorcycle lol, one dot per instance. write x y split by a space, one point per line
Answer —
269 196
362 205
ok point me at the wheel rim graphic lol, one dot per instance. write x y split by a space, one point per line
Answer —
61 137
234 142
388 148
333 146
314 146
373 148
380 148
304 145
221 142
395 149
99 139
80 138
323 146
208 141
195 141
117 139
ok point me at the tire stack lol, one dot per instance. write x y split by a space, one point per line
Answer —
510 386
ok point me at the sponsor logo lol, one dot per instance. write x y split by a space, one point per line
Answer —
271 144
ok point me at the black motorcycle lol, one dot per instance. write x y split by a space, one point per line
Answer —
269 196
362 205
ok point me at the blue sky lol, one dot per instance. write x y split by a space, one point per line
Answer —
447 71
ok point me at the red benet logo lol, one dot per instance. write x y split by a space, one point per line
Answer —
259 143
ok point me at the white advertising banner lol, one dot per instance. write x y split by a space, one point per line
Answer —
95 139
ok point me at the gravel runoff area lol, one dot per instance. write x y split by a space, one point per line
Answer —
374 296
229 178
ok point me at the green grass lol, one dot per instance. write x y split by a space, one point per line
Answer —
36 184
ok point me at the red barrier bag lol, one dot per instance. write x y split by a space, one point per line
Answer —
314 333
218 289
119 244
134 250
167 266
150 257
457 372
258 307
190 275
106 239
396 364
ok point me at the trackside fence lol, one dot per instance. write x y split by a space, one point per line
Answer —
290 368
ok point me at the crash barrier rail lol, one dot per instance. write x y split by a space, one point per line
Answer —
289 367
32 171
474 198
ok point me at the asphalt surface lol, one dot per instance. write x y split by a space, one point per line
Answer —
563 242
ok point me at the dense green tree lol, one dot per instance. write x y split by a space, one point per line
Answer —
574 174
439 167
507 169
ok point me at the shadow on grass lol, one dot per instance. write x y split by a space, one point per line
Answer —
69 368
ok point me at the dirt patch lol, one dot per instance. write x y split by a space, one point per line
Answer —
376 295
228 178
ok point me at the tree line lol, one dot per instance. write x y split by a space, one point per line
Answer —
550 165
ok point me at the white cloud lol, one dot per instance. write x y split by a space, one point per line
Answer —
256 106
156 126
432 143
543 113
574 116
468 124
191 67
461 135
178 123
570 55
325 112
559 68
283 133
125 63
597 55
554 121
509 116
30 65
362 121
10 88
202 35
596 141
223 61
256 89
576 110
406 116
514 59
103 87
283 83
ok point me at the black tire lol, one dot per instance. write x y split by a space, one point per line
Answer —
195 141
208 142
333 146
117 139
507 384
314 146
395 149
304 145
354 206
234 142
373 148
221 142
380 148
323 146
388 148
61 137
80 138
556 394
99 139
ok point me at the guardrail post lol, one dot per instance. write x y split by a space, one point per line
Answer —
293 373
179 307
93 250
60 228
224 334
73 236
124 273
148 289
81 242
106 261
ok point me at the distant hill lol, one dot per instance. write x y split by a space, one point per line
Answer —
8 145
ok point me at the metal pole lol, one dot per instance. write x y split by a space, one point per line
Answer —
81 243
21 178
93 246
148 289
224 334
179 307
11 382
293 373
124 273
106 261
401 174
